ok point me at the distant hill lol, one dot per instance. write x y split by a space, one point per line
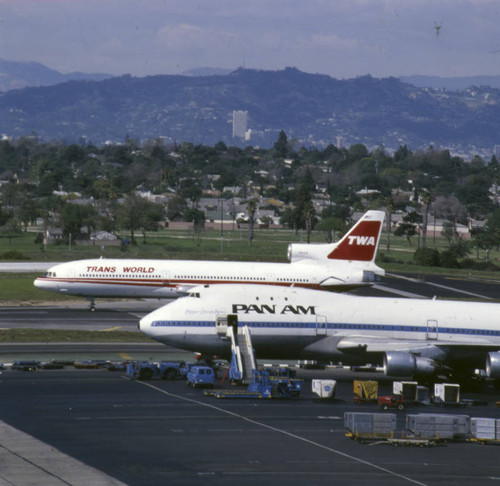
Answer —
16 75
207 71
313 108
451 83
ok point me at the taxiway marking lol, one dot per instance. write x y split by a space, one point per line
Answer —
284 432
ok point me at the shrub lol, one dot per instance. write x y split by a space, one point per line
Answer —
448 259
428 257
471 264
13 255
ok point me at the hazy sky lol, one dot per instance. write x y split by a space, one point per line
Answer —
342 38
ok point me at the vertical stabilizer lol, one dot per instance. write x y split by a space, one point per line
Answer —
361 242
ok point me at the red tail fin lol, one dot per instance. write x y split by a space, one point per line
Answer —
361 242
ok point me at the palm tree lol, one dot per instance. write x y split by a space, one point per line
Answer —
252 209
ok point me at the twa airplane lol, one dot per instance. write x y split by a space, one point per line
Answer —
339 266
409 337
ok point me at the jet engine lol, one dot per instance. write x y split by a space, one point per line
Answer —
400 363
493 365
300 251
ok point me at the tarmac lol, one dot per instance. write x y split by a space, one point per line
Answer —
86 427
27 461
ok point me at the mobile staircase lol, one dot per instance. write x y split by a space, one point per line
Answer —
243 363
267 383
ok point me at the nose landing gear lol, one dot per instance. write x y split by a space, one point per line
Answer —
92 306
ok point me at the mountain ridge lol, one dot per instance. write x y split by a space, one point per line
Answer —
313 108
17 75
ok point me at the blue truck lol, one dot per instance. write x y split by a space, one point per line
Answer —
201 376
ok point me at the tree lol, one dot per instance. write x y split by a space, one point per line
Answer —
331 225
450 208
75 217
408 227
449 231
175 208
252 209
281 145
426 201
492 228
304 211
137 212
389 206
195 215
10 229
27 212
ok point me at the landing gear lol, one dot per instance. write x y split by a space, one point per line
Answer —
92 306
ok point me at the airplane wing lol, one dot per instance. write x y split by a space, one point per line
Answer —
372 344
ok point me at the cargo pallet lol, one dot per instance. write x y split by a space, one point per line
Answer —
234 394
485 441
389 439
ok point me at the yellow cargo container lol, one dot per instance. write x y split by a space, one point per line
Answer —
365 391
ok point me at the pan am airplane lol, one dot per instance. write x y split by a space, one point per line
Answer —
409 337
348 264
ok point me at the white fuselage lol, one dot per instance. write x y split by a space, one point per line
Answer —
169 278
308 324
336 266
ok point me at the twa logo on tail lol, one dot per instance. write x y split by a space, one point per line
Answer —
361 242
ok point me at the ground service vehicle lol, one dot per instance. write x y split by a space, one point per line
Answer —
166 370
392 401
201 376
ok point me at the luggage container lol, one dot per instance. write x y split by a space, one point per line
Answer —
447 394
438 426
485 429
370 425
365 391
406 388
423 395
323 389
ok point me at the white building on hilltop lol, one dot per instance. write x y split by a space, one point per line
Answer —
240 123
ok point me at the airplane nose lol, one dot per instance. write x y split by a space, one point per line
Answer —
144 325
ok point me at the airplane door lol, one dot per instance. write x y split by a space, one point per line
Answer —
321 326
165 278
432 330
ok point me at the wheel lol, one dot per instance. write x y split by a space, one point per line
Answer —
146 374
385 406
169 374
401 407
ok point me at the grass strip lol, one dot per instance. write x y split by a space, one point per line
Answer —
70 336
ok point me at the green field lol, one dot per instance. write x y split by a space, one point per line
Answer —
64 336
